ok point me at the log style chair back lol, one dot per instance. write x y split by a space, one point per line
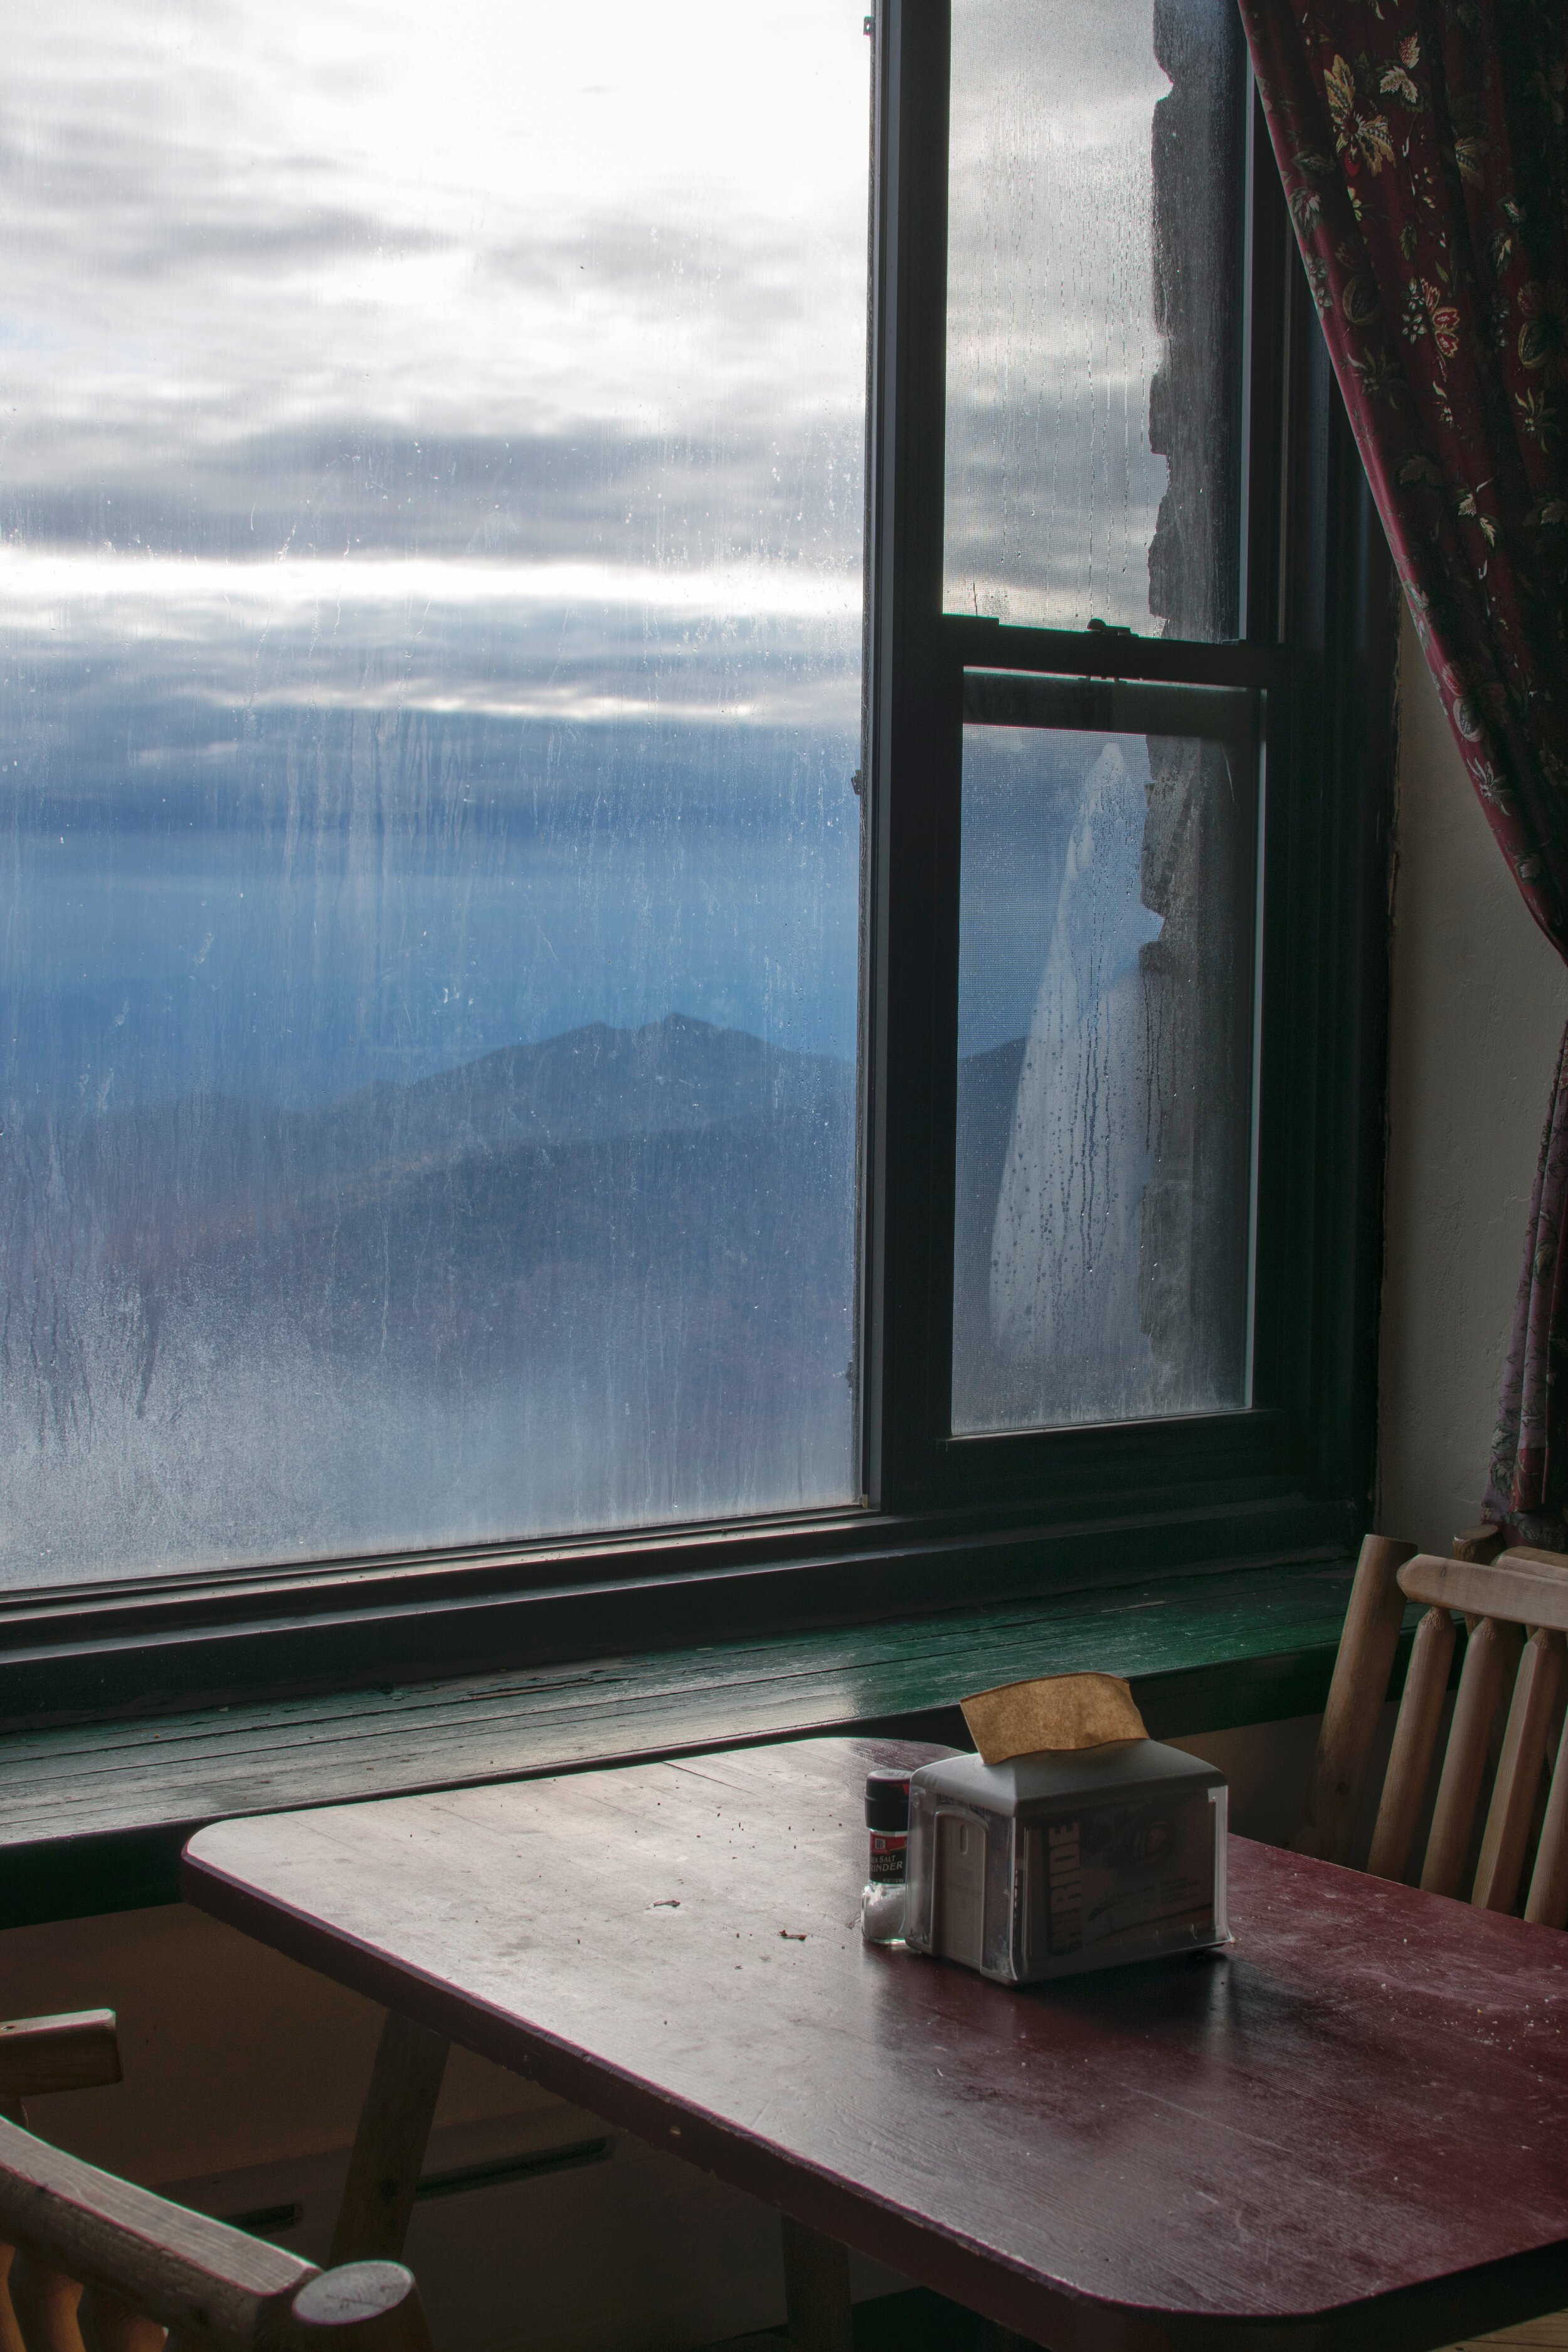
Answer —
1509 1712
79 2244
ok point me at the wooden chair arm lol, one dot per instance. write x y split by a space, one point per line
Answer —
360 2308
207 2283
142 2258
77 2051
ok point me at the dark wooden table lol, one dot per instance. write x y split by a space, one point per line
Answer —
1350 2130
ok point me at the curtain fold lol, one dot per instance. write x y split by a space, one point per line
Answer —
1423 145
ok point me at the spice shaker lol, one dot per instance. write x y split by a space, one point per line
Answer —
887 1821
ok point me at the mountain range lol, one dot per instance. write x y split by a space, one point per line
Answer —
633 1249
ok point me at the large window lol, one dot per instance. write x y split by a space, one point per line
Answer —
684 877
432 613
1127 740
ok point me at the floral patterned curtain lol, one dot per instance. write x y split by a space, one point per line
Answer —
1424 155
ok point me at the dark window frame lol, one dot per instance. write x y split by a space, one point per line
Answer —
946 1522
1291 650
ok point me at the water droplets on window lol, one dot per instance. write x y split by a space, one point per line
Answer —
430 604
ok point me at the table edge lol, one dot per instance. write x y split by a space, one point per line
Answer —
1420 2317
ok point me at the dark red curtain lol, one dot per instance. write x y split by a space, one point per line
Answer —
1424 155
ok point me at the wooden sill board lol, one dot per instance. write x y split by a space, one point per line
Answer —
93 1816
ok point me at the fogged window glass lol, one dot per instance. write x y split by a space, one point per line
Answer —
1106 993
1093 377
430 599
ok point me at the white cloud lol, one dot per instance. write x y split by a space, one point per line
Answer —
1053 490
518 352
166 595
236 217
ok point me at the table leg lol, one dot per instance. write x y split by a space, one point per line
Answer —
389 2147
817 2289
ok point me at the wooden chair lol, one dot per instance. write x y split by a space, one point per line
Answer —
1507 1729
78 2244
75 2052
1507 1724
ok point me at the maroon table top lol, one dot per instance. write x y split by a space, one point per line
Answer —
1349 2130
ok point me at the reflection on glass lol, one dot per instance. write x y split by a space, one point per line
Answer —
430 621
1106 989
1093 379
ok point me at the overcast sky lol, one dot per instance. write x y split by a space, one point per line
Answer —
234 218
1052 491
430 519
568 305
502 368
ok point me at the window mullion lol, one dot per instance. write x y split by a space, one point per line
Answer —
912 803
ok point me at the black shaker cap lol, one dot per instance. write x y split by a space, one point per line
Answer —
887 1799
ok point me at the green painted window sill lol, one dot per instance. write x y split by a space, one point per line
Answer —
94 1816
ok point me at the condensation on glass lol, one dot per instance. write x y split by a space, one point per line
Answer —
429 688
1107 994
1094 314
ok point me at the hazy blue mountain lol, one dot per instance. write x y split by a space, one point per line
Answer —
177 1165
676 1075
601 1279
604 1279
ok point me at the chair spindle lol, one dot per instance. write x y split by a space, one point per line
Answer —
1518 1783
1491 1660
1548 1899
1414 1739
1356 1694
44 2302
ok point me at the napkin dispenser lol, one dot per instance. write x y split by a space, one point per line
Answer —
1048 1861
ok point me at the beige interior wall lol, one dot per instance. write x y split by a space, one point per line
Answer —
1478 1004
